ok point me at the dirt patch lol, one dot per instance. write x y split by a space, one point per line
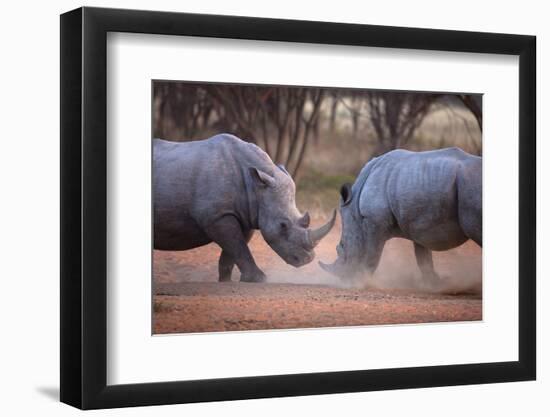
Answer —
188 298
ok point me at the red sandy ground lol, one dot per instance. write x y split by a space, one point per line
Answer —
188 297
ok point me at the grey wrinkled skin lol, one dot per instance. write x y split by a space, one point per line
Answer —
220 190
432 198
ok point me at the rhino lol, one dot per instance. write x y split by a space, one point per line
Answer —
220 190
432 198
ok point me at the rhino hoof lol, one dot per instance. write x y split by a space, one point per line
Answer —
257 277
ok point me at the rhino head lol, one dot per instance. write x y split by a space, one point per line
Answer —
281 224
350 249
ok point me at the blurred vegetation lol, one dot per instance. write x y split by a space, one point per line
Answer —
324 136
319 193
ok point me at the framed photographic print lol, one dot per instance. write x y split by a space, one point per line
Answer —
257 208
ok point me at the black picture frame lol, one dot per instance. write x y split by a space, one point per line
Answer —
84 207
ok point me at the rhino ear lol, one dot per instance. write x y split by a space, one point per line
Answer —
282 168
260 178
345 192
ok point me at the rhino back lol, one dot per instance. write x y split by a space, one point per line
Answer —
203 179
415 194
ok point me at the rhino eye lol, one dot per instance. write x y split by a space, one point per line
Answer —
284 226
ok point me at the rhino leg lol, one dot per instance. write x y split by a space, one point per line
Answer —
227 233
470 201
225 266
425 263
375 244
226 262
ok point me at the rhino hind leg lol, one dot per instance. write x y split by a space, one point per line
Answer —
470 202
471 225
426 264
227 233
226 262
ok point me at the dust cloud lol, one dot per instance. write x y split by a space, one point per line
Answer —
460 269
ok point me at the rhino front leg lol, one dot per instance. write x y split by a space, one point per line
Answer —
226 262
225 266
375 245
426 264
227 233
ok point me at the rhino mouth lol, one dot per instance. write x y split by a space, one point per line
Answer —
298 261
296 255
298 249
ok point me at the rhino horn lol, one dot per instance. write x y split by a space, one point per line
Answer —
327 267
315 235
335 268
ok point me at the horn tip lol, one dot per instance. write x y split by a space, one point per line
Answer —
333 217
